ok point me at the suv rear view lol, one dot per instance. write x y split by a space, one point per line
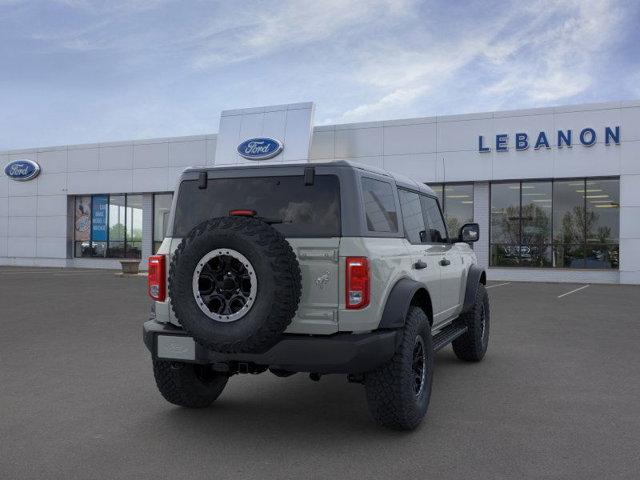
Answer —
310 268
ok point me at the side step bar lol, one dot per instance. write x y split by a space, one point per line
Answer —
447 335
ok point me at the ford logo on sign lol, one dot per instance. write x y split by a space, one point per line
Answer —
260 148
22 170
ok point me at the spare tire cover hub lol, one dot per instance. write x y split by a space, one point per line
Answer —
224 285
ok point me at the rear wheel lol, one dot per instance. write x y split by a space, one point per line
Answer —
398 392
187 384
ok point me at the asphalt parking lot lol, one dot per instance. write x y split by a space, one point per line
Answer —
558 396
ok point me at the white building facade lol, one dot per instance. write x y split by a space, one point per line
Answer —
556 191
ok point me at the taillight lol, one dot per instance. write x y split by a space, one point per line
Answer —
357 282
156 279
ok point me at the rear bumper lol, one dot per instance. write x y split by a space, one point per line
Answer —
338 353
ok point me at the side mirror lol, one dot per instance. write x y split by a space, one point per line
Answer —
470 232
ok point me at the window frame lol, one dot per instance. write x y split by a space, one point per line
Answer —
153 219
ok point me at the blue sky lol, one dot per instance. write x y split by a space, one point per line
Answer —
77 71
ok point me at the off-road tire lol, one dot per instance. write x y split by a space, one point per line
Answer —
187 384
472 345
278 280
391 397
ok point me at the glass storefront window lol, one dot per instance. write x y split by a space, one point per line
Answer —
438 189
108 226
603 223
505 224
458 206
563 224
569 223
82 226
134 226
456 200
536 200
161 209
117 219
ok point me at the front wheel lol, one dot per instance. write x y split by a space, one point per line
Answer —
398 392
187 384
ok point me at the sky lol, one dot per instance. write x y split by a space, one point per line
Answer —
80 71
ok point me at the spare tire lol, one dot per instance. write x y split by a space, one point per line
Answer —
235 284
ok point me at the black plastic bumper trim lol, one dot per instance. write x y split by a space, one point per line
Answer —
338 353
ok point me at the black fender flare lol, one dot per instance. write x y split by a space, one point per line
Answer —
399 301
475 277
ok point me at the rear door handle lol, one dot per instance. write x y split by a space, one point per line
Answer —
419 265
444 262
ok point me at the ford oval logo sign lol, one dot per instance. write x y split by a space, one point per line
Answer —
22 170
260 148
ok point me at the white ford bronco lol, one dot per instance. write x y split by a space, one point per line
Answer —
318 268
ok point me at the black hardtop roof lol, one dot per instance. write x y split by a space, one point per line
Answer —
400 180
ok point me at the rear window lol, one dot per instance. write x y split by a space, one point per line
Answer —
304 210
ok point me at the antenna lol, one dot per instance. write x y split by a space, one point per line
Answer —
444 171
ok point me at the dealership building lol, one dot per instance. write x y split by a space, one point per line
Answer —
556 190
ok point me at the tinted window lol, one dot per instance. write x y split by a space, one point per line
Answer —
412 216
436 231
380 206
304 210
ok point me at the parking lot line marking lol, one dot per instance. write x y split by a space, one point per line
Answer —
573 291
498 285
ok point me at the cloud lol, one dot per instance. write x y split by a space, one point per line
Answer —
541 53
107 70
261 32
554 63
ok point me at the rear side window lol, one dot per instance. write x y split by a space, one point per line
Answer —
412 217
379 206
436 231
302 210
